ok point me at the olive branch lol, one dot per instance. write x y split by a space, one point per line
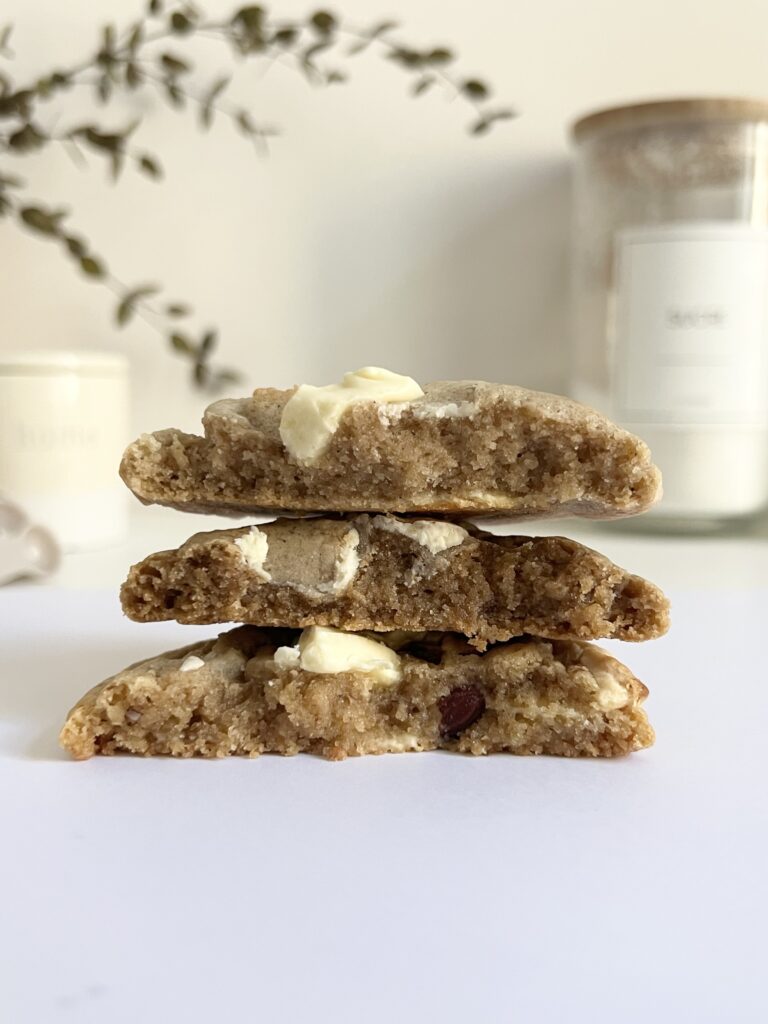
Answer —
148 54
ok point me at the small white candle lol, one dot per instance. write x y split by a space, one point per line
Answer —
63 427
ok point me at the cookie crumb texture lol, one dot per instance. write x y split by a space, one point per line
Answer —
378 573
526 697
463 447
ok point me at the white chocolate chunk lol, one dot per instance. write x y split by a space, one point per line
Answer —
433 535
324 650
401 744
611 695
190 663
254 547
312 414
347 563
287 658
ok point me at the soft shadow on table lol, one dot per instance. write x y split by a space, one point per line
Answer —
39 686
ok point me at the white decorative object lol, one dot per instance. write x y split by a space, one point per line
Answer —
63 427
25 550
671 295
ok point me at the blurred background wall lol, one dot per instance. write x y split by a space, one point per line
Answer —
377 230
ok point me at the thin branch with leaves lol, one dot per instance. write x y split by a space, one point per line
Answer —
150 54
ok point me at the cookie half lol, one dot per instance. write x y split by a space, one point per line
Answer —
255 691
455 447
383 573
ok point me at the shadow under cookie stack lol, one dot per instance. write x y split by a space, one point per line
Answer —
379 618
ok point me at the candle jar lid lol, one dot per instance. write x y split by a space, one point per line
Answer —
669 112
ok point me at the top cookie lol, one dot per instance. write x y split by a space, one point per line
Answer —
379 443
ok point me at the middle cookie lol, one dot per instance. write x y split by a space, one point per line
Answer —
384 573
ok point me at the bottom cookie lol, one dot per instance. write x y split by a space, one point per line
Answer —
254 691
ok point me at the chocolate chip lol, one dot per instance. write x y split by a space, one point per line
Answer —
459 709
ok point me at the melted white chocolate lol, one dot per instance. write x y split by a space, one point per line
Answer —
431 534
312 414
324 650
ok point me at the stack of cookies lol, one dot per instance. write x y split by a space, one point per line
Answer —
376 617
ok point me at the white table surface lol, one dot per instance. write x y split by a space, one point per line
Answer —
414 887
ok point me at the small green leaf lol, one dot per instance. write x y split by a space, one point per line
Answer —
174 94
181 24
176 309
249 17
50 83
174 65
476 89
111 142
323 22
483 125
5 38
133 77
43 87
422 84
116 162
150 166
332 77
27 139
108 38
76 246
136 37
208 343
92 267
181 343
244 122
15 104
440 56
207 105
127 305
124 312
381 29
155 7
47 222
104 88
285 36
407 58
312 51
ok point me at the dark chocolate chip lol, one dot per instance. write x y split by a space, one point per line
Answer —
459 709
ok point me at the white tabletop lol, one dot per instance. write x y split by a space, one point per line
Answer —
412 887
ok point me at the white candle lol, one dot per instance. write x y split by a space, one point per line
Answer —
63 427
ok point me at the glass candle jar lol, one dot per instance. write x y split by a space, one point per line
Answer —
63 428
671 294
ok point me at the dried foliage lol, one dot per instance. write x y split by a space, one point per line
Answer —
150 54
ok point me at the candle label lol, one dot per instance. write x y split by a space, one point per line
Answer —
690 324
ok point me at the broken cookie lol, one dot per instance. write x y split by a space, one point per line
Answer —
384 573
255 691
378 442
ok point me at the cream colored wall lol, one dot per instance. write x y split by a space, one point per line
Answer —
377 231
